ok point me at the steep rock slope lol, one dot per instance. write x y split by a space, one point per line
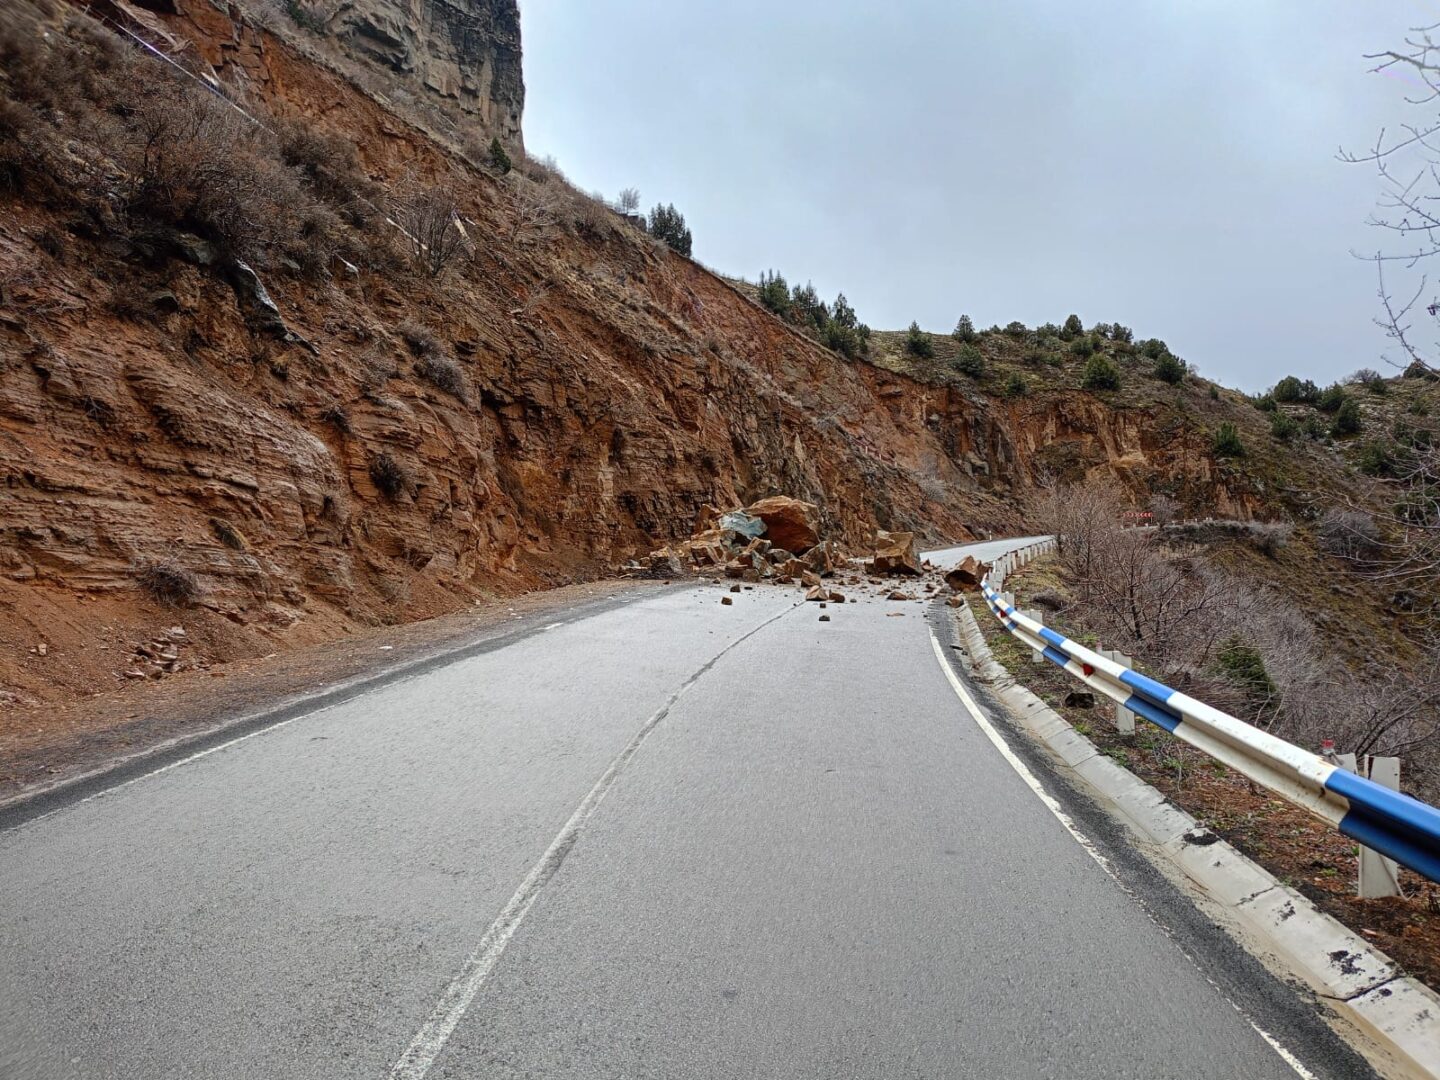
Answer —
601 391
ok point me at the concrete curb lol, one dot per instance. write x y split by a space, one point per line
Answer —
1399 1015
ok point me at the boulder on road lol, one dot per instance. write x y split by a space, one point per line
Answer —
895 553
966 574
789 523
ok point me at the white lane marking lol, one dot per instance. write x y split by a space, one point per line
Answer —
1015 763
430 1040
1054 807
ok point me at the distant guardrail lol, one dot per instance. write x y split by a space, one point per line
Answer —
1398 826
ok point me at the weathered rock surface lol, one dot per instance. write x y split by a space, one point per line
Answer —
895 553
967 574
463 52
789 523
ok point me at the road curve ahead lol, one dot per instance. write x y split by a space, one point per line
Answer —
666 839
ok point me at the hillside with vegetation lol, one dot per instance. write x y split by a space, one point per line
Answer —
288 357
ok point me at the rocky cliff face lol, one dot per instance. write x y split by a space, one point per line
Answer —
601 391
466 53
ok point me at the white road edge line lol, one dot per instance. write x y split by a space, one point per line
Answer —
1053 806
430 1040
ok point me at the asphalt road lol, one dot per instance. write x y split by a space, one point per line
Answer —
669 839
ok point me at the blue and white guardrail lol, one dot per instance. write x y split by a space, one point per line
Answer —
1398 826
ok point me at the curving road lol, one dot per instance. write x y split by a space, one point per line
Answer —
665 838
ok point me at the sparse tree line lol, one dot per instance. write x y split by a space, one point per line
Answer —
1208 632
833 325
1103 348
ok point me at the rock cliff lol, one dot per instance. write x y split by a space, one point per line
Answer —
569 396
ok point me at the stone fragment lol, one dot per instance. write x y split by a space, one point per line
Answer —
735 587
895 553
896 594
726 601
966 574
789 523
824 618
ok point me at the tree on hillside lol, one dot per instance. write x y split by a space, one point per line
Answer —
775 292
965 330
1100 374
917 342
629 200
668 224
499 159
1073 327
1170 368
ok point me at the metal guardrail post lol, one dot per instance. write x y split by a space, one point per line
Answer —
1379 876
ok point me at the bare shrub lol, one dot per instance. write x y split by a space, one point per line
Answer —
228 535
168 582
337 416
430 222
388 475
419 338
444 374
330 167
1269 537
534 209
1349 534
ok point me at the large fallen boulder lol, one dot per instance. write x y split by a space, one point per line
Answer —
895 553
967 574
789 523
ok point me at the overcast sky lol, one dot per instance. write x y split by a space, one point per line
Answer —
1171 166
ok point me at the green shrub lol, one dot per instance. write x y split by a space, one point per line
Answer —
1016 386
1214 392
1283 426
1017 329
1331 398
1293 390
964 330
1154 348
1227 441
775 293
1314 427
843 339
1265 403
918 343
970 361
1100 374
1082 347
1073 327
499 159
668 224
1169 368
1347 418
1376 459
1243 666
1121 333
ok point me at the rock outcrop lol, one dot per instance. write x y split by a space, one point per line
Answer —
464 52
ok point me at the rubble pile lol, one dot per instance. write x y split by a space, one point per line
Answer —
775 539
160 656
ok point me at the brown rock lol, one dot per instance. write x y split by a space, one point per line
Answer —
895 553
809 579
896 594
822 558
735 588
836 597
726 601
789 523
955 601
967 574
824 618
815 592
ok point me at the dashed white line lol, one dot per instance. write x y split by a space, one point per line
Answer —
430 1040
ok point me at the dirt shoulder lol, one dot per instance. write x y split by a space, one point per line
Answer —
45 745
1301 852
